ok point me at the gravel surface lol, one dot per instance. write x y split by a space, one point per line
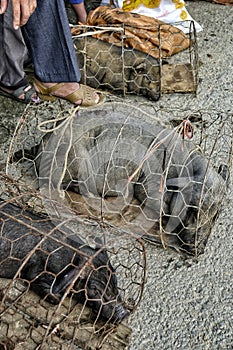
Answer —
187 303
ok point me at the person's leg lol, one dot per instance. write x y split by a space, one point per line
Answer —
13 81
13 51
80 11
48 37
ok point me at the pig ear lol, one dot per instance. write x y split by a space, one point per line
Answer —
64 280
140 68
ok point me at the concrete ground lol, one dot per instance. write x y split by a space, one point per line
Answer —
187 304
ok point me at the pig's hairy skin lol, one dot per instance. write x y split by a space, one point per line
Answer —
17 240
189 177
104 70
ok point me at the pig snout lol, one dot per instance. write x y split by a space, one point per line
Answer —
104 298
111 311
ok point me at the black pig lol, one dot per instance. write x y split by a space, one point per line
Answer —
57 259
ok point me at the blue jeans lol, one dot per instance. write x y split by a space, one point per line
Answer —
48 39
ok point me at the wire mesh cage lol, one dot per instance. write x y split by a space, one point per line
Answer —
128 54
80 194
117 165
85 281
